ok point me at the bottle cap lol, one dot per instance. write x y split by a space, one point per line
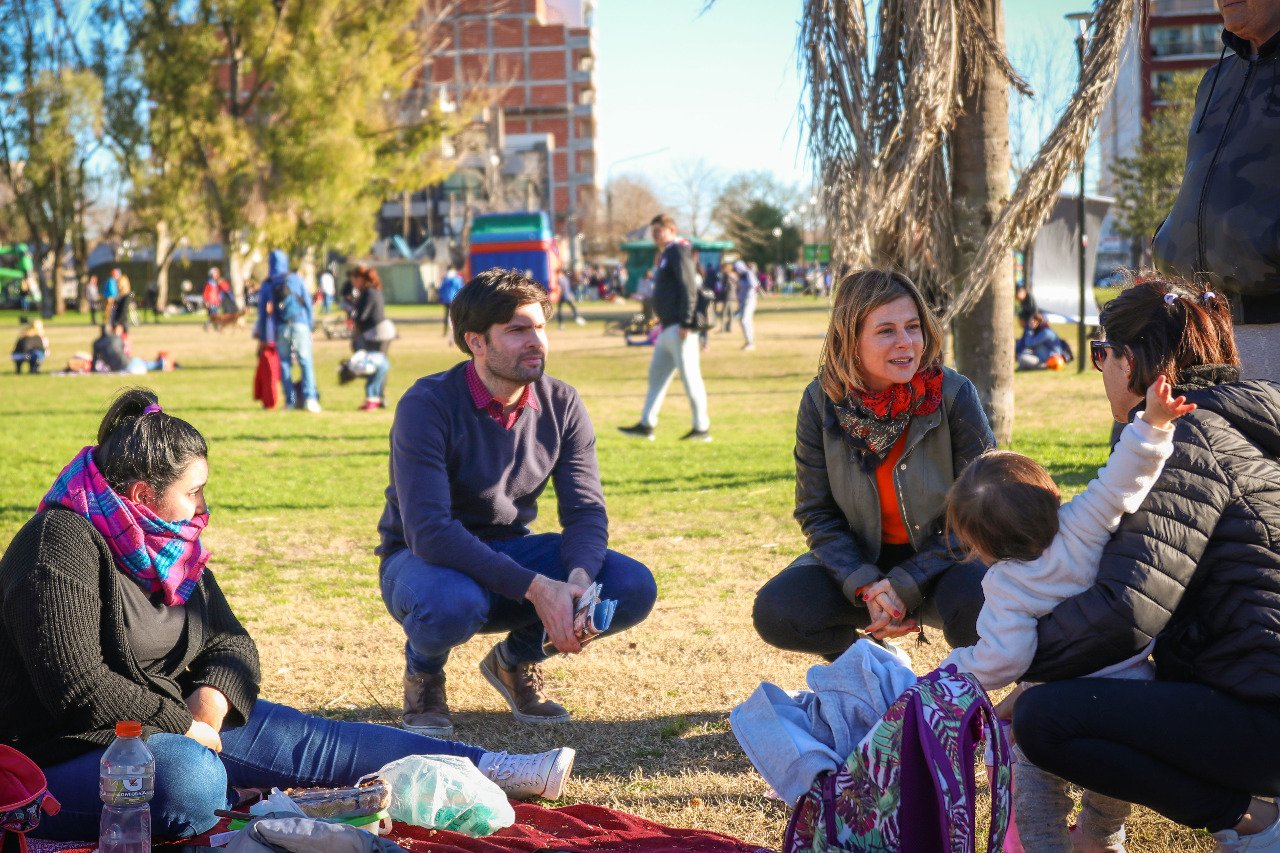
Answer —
128 728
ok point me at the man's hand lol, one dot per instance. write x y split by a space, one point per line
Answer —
209 706
554 602
204 734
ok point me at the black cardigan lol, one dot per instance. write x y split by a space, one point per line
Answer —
68 671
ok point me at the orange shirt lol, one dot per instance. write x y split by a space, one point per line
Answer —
893 530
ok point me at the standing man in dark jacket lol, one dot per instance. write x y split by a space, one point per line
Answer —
1225 224
675 300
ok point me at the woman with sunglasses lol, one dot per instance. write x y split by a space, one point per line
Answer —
1197 570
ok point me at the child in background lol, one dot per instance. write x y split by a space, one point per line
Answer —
1005 509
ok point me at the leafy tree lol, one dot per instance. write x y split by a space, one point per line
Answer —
287 122
50 131
752 231
1149 179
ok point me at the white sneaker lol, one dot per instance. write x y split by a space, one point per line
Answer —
313 406
523 777
1267 841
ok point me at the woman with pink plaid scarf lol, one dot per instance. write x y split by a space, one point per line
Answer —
109 612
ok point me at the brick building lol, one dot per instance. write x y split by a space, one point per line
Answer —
536 58
1173 35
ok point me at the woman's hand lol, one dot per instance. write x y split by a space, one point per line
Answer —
887 612
1004 708
205 734
1162 407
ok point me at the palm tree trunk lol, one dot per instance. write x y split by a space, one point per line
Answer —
984 336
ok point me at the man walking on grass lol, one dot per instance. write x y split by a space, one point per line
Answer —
472 448
675 300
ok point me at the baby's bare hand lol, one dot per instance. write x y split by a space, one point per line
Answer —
1162 407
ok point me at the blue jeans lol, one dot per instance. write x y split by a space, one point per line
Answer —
32 360
373 386
278 746
440 607
294 340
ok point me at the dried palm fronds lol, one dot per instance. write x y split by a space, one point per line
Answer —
1034 196
879 111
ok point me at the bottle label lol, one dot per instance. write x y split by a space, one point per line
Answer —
125 790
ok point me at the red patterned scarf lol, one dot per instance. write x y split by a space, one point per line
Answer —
875 421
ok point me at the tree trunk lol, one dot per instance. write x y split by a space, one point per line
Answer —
164 254
984 336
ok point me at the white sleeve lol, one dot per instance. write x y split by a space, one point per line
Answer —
1006 630
1120 487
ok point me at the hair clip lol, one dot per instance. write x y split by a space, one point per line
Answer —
1170 298
1208 294
154 407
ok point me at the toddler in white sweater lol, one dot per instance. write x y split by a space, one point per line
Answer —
1005 508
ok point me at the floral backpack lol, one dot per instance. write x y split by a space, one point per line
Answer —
909 786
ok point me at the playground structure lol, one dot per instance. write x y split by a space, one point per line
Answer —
16 267
518 241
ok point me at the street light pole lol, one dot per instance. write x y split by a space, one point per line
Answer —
1082 20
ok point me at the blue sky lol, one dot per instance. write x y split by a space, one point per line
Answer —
724 85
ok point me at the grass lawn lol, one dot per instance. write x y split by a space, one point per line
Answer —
295 500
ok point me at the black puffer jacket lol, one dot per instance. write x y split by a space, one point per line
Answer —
1225 222
1199 564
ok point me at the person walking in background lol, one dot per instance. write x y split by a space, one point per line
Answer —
122 312
450 287
472 448
284 318
566 296
31 348
328 289
94 296
213 292
729 283
748 294
1223 226
675 302
373 335
110 293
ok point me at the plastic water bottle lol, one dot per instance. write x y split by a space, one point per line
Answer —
126 782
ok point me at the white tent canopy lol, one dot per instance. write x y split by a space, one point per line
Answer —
1054 265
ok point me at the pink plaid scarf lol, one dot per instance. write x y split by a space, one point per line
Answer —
158 554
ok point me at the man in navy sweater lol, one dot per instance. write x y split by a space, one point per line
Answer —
472 448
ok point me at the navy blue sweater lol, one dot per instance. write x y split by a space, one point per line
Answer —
459 480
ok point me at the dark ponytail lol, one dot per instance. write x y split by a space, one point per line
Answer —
1169 325
134 444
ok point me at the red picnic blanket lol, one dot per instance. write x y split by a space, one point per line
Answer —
574 829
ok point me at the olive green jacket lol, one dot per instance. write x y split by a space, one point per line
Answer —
838 503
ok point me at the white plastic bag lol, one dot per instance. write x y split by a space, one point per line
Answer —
446 792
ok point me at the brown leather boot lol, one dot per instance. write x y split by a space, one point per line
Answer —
522 687
426 710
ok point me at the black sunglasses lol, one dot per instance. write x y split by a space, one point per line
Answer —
1098 352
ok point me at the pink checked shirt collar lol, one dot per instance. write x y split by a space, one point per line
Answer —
484 400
